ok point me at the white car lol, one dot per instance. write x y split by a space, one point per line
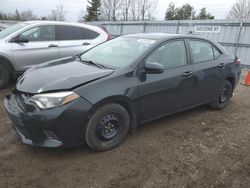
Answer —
26 43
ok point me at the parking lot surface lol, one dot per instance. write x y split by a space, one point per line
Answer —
196 148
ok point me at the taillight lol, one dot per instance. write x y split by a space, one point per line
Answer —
109 37
237 61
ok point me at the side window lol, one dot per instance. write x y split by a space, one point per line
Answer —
76 33
88 34
70 33
40 33
202 51
217 53
173 54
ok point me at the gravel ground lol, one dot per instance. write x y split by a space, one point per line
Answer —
196 148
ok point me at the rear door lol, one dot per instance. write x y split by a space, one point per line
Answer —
74 40
42 46
208 69
172 90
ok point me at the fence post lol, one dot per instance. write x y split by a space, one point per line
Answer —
238 38
144 27
177 28
121 29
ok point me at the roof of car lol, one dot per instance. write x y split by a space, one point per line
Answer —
48 22
53 22
158 36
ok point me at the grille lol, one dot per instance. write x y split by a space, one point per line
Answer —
23 101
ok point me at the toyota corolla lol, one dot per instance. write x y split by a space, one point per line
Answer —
98 96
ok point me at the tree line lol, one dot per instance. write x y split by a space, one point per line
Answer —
131 10
138 10
186 12
120 10
57 14
141 10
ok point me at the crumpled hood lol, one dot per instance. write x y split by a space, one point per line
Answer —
62 74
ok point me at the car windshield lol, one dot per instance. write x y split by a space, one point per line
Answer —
119 52
11 29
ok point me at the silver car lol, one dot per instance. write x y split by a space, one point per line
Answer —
26 43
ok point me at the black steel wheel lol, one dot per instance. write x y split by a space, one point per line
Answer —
107 127
223 97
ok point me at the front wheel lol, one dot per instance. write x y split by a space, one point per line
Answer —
107 127
223 97
4 76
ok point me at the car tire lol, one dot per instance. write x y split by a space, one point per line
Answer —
107 127
4 76
223 97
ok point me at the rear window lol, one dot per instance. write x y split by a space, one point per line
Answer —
76 33
88 34
202 51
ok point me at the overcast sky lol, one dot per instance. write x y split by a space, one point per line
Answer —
219 8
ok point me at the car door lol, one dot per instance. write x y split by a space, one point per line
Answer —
207 66
41 46
172 90
74 40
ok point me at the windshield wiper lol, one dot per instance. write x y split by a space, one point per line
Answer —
92 63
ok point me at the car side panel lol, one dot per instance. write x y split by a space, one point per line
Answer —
29 54
165 93
73 47
124 86
209 79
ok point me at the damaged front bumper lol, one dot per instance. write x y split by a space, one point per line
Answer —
60 126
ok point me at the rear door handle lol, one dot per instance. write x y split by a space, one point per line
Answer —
186 74
85 43
222 65
52 46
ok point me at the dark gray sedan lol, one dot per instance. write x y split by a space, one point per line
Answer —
98 96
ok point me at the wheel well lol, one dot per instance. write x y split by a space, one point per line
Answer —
231 80
7 63
125 104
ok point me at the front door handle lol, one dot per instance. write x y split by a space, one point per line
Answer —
222 65
85 43
186 74
52 46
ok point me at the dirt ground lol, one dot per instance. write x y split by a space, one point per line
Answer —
196 148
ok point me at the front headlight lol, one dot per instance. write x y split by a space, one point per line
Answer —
50 100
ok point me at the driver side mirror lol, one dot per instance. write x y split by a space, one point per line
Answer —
20 39
153 68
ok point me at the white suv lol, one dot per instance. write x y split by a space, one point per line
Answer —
26 43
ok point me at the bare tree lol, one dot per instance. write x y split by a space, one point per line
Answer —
53 15
151 8
142 9
106 10
113 10
147 7
143 5
110 9
126 4
81 16
28 15
135 10
240 10
58 14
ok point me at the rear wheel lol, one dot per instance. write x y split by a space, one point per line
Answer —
223 97
107 127
4 76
